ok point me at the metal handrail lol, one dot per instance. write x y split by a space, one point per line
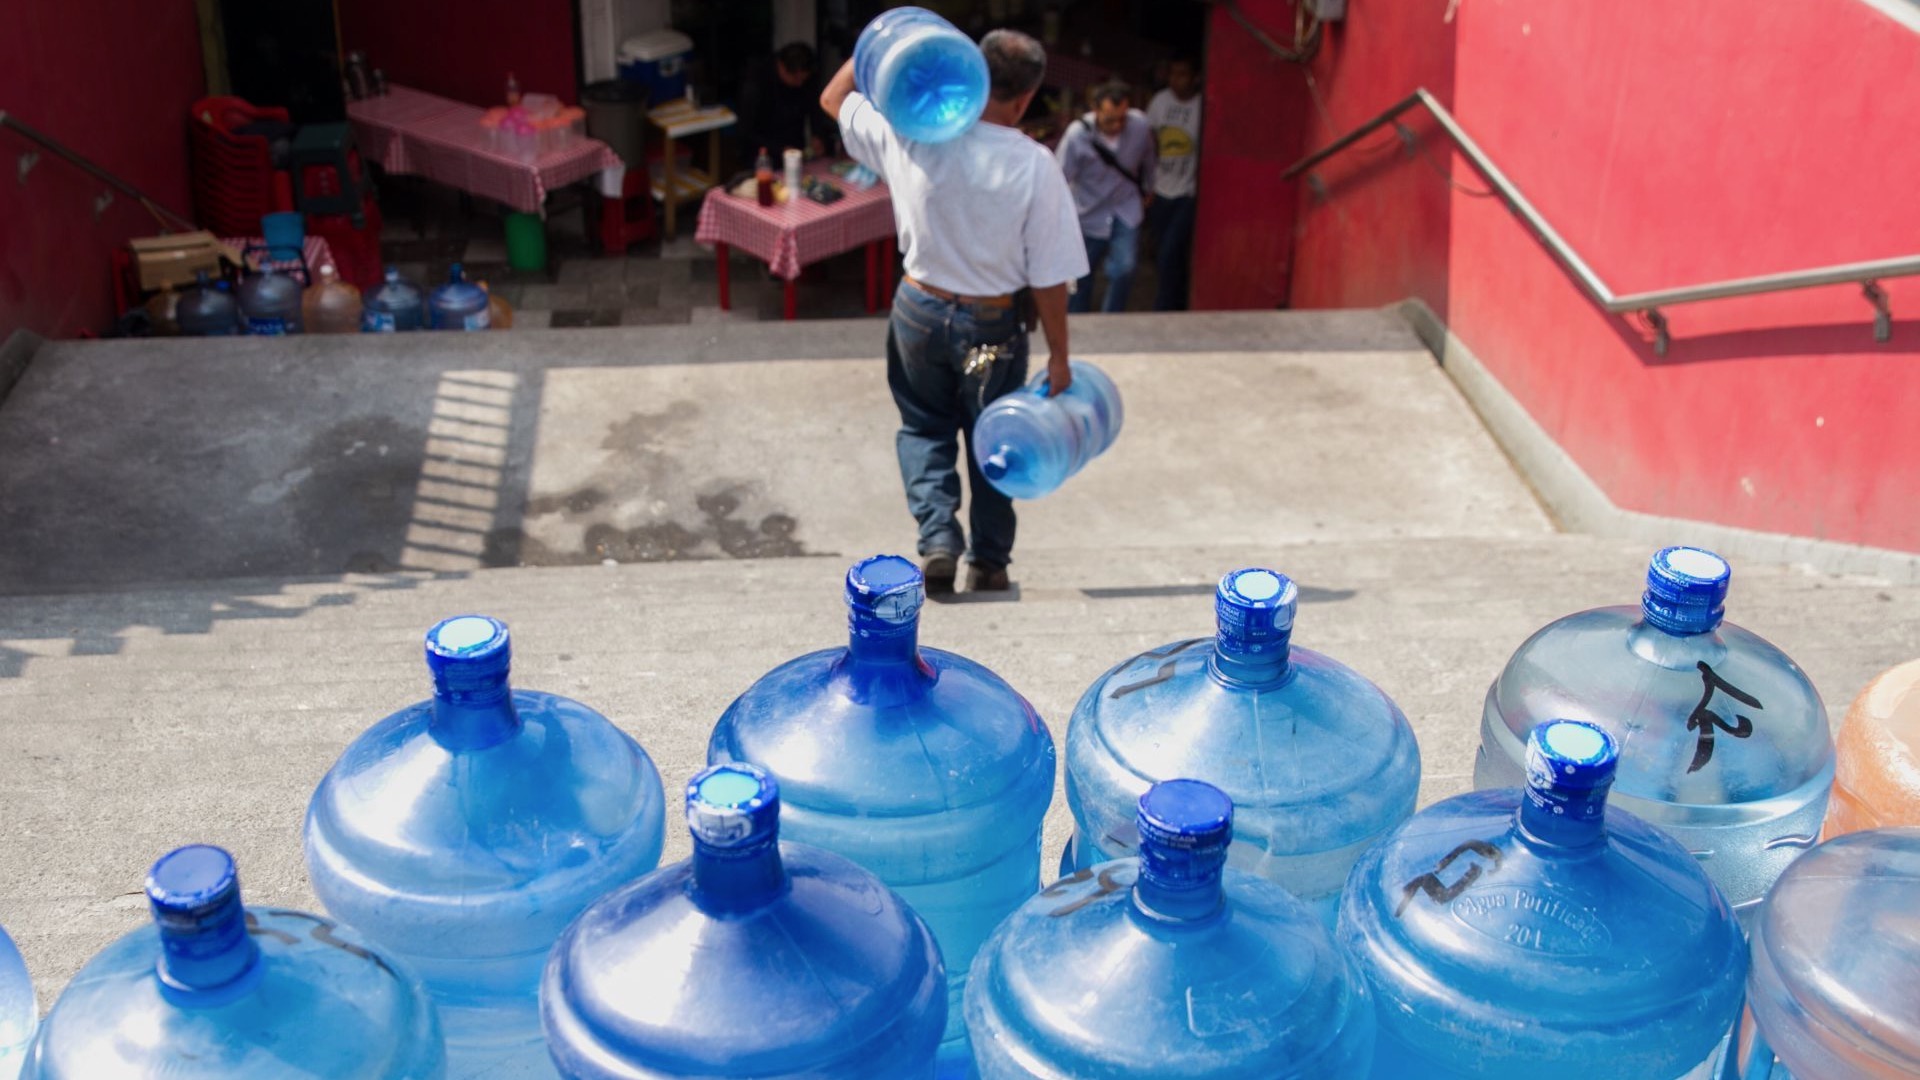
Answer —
1648 304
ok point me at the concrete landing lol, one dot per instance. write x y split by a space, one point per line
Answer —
154 461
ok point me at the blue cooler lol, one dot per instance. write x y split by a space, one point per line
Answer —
658 61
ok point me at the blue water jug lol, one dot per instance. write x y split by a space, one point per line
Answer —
1516 934
922 766
1027 443
216 991
462 834
1318 761
926 77
459 304
395 305
207 309
1725 740
1836 964
19 1013
753 958
1170 966
270 303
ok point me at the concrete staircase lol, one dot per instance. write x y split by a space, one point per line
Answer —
180 660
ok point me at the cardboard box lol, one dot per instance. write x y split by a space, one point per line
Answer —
167 261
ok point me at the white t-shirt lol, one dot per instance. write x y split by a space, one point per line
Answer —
986 214
1178 125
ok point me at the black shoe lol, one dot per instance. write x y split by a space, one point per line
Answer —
939 568
982 577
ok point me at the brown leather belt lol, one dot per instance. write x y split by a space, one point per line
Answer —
955 298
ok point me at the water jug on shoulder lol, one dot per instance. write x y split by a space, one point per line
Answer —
1318 761
925 76
395 305
753 958
1724 740
1027 443
464 833
218 991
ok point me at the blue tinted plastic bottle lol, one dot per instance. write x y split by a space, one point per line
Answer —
207 309
921 766
1836 963
1170 966
926 77
270 303
1319 763
459 304
1724 740
215 991
1519 934
1028 444
395 305
18 1011
462 834
753 958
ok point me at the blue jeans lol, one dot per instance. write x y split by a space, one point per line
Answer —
1120 252
927 344
1171 223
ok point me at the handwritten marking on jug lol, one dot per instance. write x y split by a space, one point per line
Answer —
1705 720
322 932
1170 655
1106 883
1439 891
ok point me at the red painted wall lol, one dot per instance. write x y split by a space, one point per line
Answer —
1671 144
464 51
113 80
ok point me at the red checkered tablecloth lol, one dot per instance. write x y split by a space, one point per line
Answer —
801 231
408 131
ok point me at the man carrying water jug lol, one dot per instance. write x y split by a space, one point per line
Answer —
991 241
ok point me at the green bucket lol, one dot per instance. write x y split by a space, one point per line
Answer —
526 242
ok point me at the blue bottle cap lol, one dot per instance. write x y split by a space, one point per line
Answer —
1571 756
469 656
1254 608
194 892
1185 827
1686 590
886 588
733 807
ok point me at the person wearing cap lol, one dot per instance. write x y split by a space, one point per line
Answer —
985 220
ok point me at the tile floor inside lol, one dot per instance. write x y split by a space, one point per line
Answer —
428 228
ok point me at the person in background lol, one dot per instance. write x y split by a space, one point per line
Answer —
990 242
1174 114
1109 160
779 106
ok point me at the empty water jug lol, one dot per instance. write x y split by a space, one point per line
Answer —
1836 964
1724 739
395 305
458 305
1319 763
18 1011
1876 776
332 306
462 834
499 311
1522 933
270 303
1028 444
926 77
754 958
1169 966
216 991
207 309
922 766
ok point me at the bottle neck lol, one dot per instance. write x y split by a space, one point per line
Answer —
473 716
1194 901
873 640
1562 817
731 881
1240 663
206 958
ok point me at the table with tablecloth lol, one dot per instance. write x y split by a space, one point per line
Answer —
412 132
792 235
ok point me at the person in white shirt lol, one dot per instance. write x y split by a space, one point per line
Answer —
1175 116
985 221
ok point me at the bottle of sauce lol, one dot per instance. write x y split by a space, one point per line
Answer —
763 177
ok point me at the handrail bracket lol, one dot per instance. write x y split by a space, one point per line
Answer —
1659 324
1882 313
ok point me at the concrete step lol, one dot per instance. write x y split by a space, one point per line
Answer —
141 719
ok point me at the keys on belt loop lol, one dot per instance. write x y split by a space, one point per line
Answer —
982 357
